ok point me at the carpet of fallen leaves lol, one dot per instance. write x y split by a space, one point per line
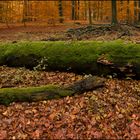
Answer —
112 112
98 32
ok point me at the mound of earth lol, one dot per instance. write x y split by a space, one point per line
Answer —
88 32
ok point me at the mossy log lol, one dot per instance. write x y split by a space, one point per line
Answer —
90 57
30 94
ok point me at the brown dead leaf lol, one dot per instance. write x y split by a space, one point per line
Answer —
36 134
3 134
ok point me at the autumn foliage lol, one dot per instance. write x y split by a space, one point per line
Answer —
53 12
107 113
57 43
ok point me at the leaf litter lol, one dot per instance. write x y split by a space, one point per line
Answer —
112 112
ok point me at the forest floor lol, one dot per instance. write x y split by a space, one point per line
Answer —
109 112
69 32
112 112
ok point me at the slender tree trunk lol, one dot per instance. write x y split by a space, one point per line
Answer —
98 10
85 9
1 11
121 7
114 12
128 12
78 9
61 20
73 10
89 12
135 11
139 11
102 10
25 12
7 15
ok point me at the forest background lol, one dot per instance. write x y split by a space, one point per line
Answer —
61 11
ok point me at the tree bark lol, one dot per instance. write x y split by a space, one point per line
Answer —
61 20
1 11
128 12
73 10
135 11
114 12
30 94
139 11
89 12
25 12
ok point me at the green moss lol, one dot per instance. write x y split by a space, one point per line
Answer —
64 93
70 49
61 55
8 95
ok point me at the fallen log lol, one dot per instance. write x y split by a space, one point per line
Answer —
32 94
88 57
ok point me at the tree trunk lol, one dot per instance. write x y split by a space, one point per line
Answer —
139 11
31 94
1 11
7 14
61 20
114 12
135 11
85 10
89 12
128 12
25 12
101 12
73 10
98 10
78 12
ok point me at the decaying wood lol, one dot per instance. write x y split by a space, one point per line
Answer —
48 92
87 84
